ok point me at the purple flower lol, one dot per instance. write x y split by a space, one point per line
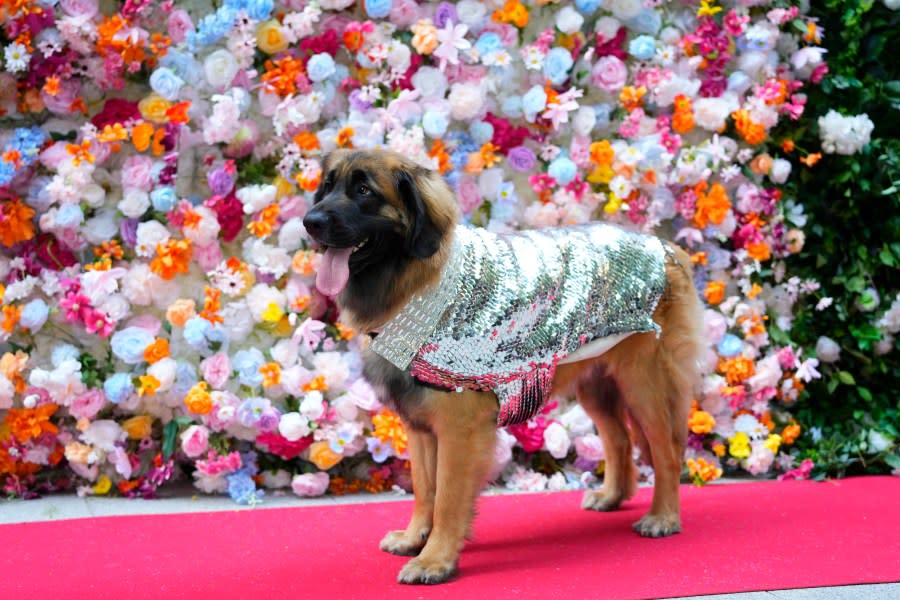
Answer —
357 102
379 450
521 159
220 182
128 229
443 13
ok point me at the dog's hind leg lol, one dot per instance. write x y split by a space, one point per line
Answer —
464 425
602 401
423 462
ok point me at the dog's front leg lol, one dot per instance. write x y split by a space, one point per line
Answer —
423 462
465 427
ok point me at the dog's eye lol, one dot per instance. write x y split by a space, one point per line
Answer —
363 190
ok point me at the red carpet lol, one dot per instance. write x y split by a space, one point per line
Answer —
740 537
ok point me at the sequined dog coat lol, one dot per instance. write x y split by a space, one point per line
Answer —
509 308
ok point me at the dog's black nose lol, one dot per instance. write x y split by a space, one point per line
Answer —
316 222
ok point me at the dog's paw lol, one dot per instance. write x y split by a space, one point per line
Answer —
658 525
601 500
424 570
397 542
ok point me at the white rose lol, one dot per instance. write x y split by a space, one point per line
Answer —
292 234
210 484
399 56
149 234
261 297
625 9
93 195
670 36
569 20
293 426
103 435
286 352
100 228
430 82
577 421
827 349
164 370
584 120
466 101
607 27
238 322
471 13
256 197
206 230
711 113
313 406
220 67
134 203
892 4
556 440
140 285
780 170
115 306
293 379
275 480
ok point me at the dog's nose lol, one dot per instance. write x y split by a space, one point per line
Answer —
316 222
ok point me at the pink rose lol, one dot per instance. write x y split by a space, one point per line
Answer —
208 257
310 484
589 447
404 13
216 370
55 155
179 25
580 151
80 8
195 440
62 102
609 73
88 404
469 196
136 173
292 206
148 322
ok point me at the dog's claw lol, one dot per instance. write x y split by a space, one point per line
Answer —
658 525
420 570
397 542
600 500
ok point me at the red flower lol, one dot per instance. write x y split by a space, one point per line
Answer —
279 445
613 47
505 135
229 213
116 110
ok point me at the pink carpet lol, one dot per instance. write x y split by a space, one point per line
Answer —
742 537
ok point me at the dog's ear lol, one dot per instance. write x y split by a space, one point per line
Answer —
424 237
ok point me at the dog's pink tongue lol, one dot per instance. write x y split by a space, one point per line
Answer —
334 271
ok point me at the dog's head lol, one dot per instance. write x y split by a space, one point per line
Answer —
375 210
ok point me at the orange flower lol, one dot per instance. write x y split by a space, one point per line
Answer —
759 251
212 305
148 385
513 12
281 75
346 333
752 132
172 257
303 262
29 423
11 315
110 249
737 369
489 156
602 153
389 428
761 163
701 422
810 160
198 400
141 136
266 222
271 373
317 384
790 433
702 471
683 117
632 97
787 145
699 258
157 350
177 113
138 427
719 449
307 141
344 137
714 292
321 455
439 151
712 207
180 311
15 223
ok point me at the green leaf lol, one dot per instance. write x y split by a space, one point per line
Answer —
170 433
846 378
864 393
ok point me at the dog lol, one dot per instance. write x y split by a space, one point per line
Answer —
388 227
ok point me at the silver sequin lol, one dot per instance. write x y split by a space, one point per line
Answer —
508 308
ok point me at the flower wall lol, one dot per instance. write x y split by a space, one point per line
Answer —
159 314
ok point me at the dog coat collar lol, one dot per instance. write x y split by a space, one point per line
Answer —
509 308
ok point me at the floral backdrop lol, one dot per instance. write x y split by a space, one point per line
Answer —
159 317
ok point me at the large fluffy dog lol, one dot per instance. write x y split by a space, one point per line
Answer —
387 226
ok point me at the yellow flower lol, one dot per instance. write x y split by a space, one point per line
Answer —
773 442
153 108
739 445
102 486
707 8
270 38
198 400
148 385
321 455
139 427
283 187
613 205
273 313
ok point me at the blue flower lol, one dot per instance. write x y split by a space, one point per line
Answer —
533 102
512 106
643 47
247 364
380 451
602 112
646 21
320 67
195 332
34 315
129 344
166 83
259 10
69 215
563 170
488 42
557 64
242 488
730 345
185 378
118 387
588 7
481 132
252 410
435 123
378 9
62 353
163 198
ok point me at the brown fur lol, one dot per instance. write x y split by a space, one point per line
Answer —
641 388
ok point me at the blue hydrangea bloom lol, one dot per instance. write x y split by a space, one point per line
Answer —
730 345
34 315
128 344
512 107
320 67
378 9
481 132
643 47
557 64
534 101
166 83
163 198
118 387
242 488
247 364
435 123
588 7
69 215
563 170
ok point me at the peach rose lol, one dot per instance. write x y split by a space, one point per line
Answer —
321 455
181 311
